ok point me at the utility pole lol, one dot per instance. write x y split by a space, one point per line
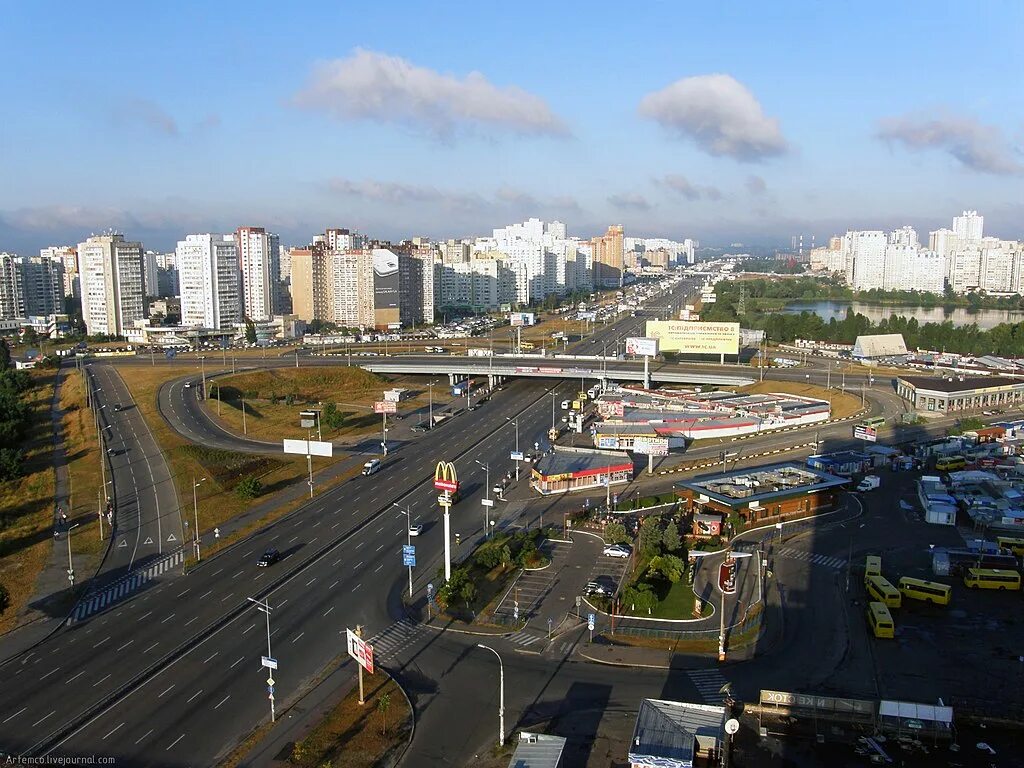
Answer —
71 567
309 463
195 512
245 431
264 606
487 498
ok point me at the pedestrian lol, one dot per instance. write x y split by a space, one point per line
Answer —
64 517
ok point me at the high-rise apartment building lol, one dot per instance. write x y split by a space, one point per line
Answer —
259 254
607 257
210 281
351 275
311 286
42 286
905 236
864 254
11 297
68 259
969 227
110 273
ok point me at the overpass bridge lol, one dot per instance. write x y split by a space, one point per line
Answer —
596 368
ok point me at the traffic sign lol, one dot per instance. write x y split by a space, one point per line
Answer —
409 560
430 588
408 549
727 576
515 611
270 681
444 500
516 455
360 650
487 502
270 663
591 618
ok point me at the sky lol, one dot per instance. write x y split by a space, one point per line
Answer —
725 122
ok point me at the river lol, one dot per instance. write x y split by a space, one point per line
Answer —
985 318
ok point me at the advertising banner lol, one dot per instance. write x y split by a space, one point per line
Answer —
385 287
864 432
309 447
607 441
642 346
695 338
727 576
385 406
360 650
653 446
521 318
610 410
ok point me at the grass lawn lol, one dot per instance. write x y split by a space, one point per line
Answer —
268 416
358 736
843 404
26 519
675 601
224 469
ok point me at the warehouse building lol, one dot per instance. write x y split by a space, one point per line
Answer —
958 393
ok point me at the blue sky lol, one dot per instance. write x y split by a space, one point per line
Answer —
743 122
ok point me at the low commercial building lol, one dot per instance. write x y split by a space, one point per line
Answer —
958 393
770 493
538 750
677 734
579 469
878 346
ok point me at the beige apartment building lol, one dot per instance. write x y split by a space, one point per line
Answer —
607 257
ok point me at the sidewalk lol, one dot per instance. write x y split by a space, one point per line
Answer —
52 583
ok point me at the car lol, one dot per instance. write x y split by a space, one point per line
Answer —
188 385
415 530
268 558
419 428
473 407
602 585
617 550
117 408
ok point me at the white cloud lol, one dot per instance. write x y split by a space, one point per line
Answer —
630 201
719 114
682 185
756 185
978 147
374 86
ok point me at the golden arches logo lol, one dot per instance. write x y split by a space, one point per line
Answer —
445 477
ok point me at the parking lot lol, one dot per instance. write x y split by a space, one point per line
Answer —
531 587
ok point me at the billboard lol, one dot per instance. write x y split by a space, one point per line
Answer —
385 406
385 287
360 650
642 346
864 432
308 447
521 318
727 576
445 477
695 338
651 446
610 409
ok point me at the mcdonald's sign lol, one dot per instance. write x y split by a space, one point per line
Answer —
445 477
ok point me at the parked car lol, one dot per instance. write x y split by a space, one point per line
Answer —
618 550
602 585
188 385
268 558
416 530
419 428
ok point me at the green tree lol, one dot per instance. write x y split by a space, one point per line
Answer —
615 533
249 487
250 331
670 539
650 539
5 599
11 462
5 355
467 592
332 417
383 705
670 567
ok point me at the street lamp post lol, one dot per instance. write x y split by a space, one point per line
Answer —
71 567
516 422
264 606
202 362
501 694
309 462
408 537
487 497
195 512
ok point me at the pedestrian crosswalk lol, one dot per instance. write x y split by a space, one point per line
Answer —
122 588
394 639
809 557
527 639
708 683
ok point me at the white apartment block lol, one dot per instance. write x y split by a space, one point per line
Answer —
10 288
864 257
259 254
907 268
42 286
969 226
828 260
905 236
964 269
110 273
351 278
66 255
210 281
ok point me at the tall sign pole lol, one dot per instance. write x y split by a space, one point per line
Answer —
446 480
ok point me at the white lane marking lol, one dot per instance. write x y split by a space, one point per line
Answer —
360 544
194 696
251 626
154 645
329 610
237 574
113 732
281 603
37 722
240 659
293 538
167 619
358 566
11 717
102 679
144 736
71 679
191 620
211 656
311 581
175 741
357 586
126 645
182 594
51 672
217 571
150 613
206 594
101 642
227 597
333 585
166 691
299 637
335 526
378 567
222 701
380 547
338 562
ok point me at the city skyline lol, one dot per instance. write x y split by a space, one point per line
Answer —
675 135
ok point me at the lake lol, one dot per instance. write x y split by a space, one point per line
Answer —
985 318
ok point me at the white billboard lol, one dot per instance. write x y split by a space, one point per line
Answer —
521 318
654 446
695 338
309 447
642 346
360 650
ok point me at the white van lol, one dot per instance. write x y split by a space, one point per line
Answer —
371 466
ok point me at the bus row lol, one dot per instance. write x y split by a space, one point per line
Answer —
885 596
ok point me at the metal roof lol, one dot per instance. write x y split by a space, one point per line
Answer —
947 385
563 462
666 732
879 345
756 484
537 750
